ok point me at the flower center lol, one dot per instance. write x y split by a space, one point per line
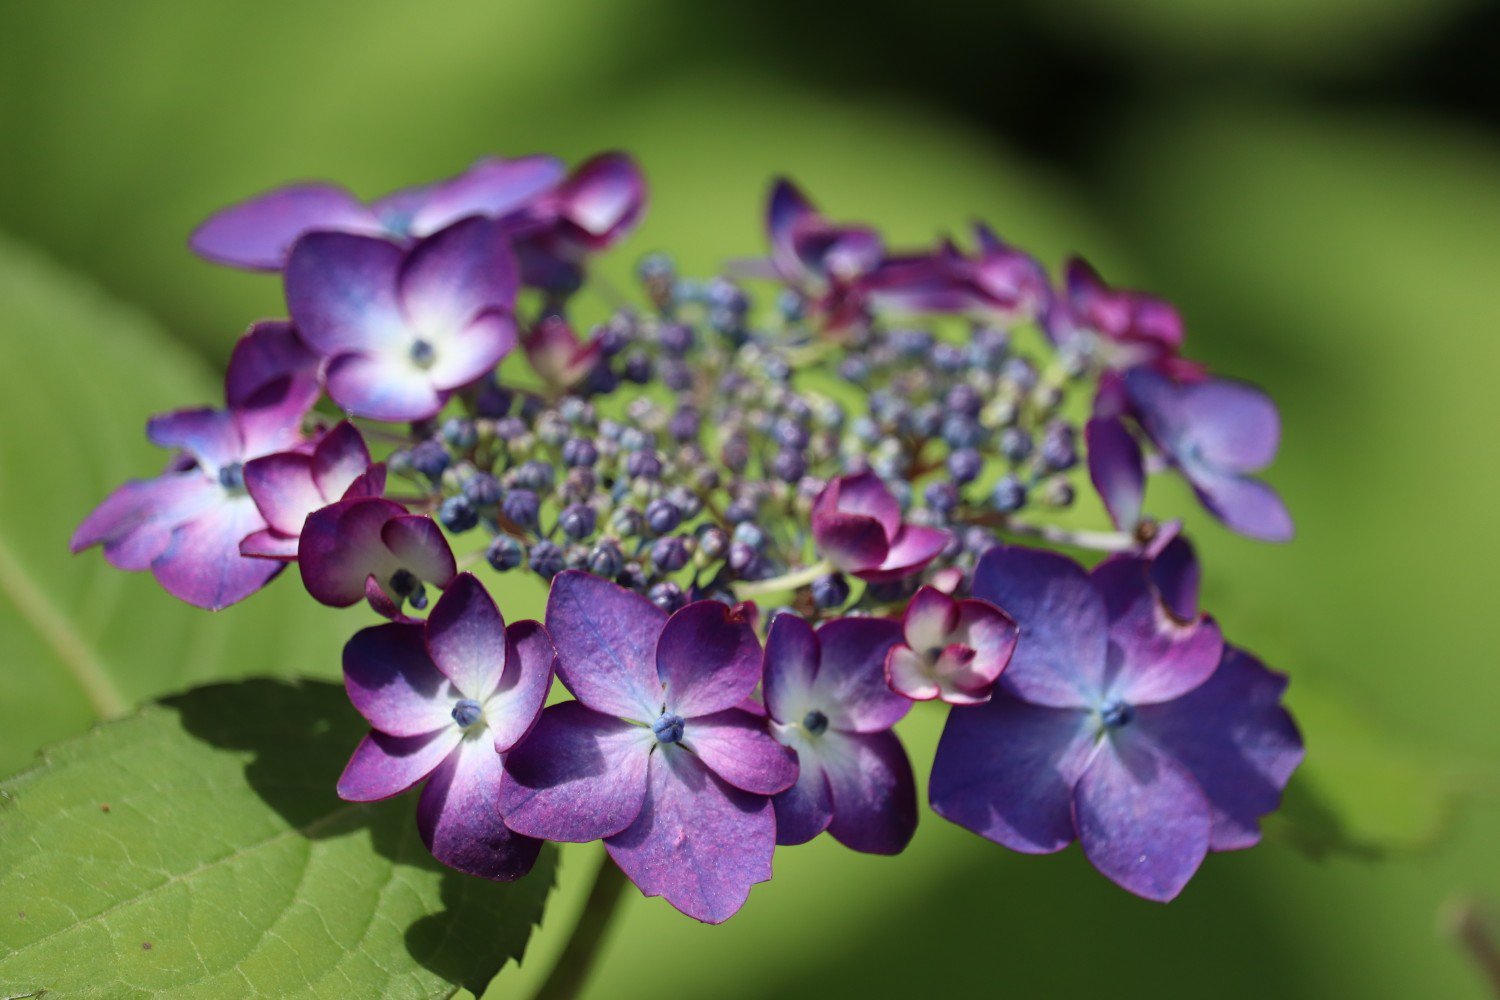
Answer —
467 712
1116 714
422 354
406 586
668 728
232 477
815 722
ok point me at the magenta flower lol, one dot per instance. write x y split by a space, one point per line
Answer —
185 526
1000 284
259 233
269 353
558 354
1216 432
1120 327
597 205
856 523
1116 724
655 757
826 695
830 263
289 486
366 547
401 329
445 701
954 649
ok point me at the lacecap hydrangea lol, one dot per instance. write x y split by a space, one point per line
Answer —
776 508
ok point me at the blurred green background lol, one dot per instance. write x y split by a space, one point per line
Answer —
1316 182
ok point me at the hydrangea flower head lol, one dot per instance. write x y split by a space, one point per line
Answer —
445 701
656 757
826 696
1113 727
953 649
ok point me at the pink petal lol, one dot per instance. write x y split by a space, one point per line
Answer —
383 765
708 658
735 746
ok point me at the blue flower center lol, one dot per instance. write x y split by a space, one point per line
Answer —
668 728
406 586
815 722
1116 714
467 712
422 354
232 476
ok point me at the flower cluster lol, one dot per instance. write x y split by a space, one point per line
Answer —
861 435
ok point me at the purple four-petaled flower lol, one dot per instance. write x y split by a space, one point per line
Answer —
368 547
953 649
445 700
288 487
857 526
826 696
656 757
1118 724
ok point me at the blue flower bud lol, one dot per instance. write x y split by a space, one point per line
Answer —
579 485
927 420
788 465
965 465
672 553
962 431
1009 495
457 513
830 591
912 344
577 520
535 475
1015 444
667 595
482 489
505 553
1021 372
854 370
509 428
606 560
676 375
740 510
627 522
579 452
751 534
735 453
941 496
741 557
684 424
978 541
638 368
460 433
675 338
1057 492
963 398
949 358
662 515
644 463
989 349
521 506
686 501
1059 447
431 459
633 577
791 305
713 542
547 559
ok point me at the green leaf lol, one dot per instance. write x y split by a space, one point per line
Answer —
197 849
82 640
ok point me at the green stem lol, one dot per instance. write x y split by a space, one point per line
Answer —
781 584
582 951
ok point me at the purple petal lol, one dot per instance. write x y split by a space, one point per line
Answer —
578 776
393 682
1006 770
930 618
341 457
341 293
1239 743
786 209
708 658
606 645
466 638
418 546
735 746
1247 506
517 703
492 187
851 688
1142 819
449 278
473 351
841 252
135 522
1060 656
459 816
1233 426
604 198
791 667
270 352
1153 656
283 489
906 672
865 493
698 843
913 547
851 541
1176 575
1117 471
874 793
203 565
383 765
269 544
259 233
209 436
804 810
341 545
384 387
271 419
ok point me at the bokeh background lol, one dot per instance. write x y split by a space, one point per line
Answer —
1316 182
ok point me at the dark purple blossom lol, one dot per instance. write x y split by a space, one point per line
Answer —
655 757
289 486
401 329
827 699
952 649
445 701
1116 724
366 547
857 526
558 354
1120 327
258 233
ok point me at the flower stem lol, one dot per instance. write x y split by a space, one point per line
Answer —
785 582
1099 541
582 950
